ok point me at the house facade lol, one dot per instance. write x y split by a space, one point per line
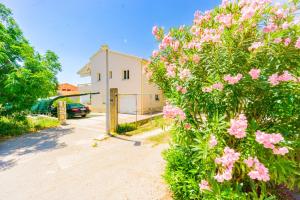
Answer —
136 93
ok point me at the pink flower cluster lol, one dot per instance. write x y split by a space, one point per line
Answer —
225 19
155 32
166 41
269 141
238 126
199 18
155 53
175 45
216 86
271 27
204 185
255 45
233 79
250 7
211 35
185 74
173 112
254 73
286 41
227 161
171 70
212 141
181 89
259 171
275 79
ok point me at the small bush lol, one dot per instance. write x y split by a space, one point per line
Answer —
10 127
127 127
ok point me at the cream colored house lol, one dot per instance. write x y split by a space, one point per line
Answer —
136 94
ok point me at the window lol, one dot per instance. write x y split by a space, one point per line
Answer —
156 97
125 74
110 74
99 77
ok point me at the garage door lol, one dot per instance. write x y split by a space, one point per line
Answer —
127 104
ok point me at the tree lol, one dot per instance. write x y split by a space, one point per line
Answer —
25 75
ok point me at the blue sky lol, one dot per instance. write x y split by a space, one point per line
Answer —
75 29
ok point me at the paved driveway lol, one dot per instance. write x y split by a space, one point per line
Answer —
61 163
96 121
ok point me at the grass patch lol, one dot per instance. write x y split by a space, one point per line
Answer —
161 138
124 128
12 127
130 129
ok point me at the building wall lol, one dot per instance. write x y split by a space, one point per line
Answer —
85 88
150 103
117 64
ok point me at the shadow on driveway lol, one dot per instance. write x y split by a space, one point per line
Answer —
45 140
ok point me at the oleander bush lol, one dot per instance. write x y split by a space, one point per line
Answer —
232 84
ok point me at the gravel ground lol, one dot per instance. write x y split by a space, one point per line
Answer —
61 164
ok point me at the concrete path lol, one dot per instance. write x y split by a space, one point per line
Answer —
61 164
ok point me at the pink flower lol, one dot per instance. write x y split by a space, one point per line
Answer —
184 74
154 30
268 140
255 46
287 41
233 79
196 58
249 162
277 40
227 161
212 141
187 126
247 13
254 73
285 25
271 27
273 79
297 45
238 126
207 89
226 20
281 151
155 53
171 70
181 89
218 86
204 185
286 76
259 171
166 41
175 45
173 112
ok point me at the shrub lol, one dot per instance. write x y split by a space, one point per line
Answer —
13 126
127 127
232 84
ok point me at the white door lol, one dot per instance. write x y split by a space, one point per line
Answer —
127 104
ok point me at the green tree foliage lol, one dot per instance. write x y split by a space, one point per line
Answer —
25 75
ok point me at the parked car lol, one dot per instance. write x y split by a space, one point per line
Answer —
74 110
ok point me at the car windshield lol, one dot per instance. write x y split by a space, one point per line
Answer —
75 105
